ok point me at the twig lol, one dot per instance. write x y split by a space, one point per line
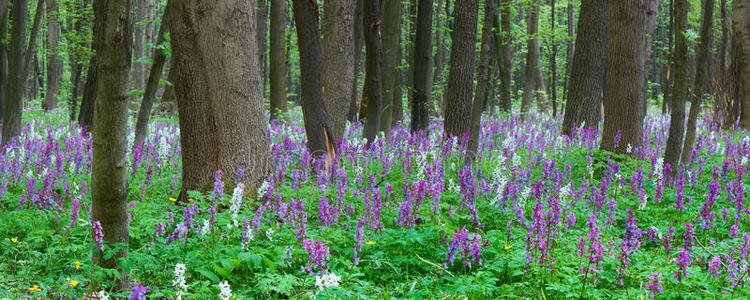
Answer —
435 265
709 252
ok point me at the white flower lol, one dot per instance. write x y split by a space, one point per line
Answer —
179 281
565 192
269 234
643 204
262 189
452 187
326 281
205 227
225 291
102 295
629 149
659 169
236 201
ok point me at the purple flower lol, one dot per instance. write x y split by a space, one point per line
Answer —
218 186
714 267
467 247
75 207
317 256
327 213
683 261
138 292
688 235
358 239
706 215
654 284
96 228
680 195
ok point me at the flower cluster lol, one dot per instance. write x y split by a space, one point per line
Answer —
317 256
467 247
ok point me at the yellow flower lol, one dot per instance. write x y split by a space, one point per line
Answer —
35 288
507 247
370 242
172 199
14 240
191 199
73 283
78 264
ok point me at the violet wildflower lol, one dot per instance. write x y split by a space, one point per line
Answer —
594 252
317 256
218 186
654 284
706 215
327 213
75 207
358 239
247 233
138 292
467 247
688 235
680 195
683 261
714 267
96 229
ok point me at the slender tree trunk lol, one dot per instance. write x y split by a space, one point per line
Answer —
462 65
421 67
722 109
391 31
13 109
623 122
483 79
701 78
398 91
86 113
652 8
220 100
113 38
588 67
670 53
277 57
358 37
261 19
506 55
681 86
320 138
50 98
338 67
140 42
553 61
440 47
3 56
373 53
533 81
144 113
571 49
741 24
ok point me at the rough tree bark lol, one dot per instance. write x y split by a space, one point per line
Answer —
373 57
571 48
358 38
113 39
140 44
462 65
86 113
652 9
218 89
338 66
622 117
420 71
701 78
261 19
505 54
391 32
741 24
13 110
53 35
3 56
680 90
553 60
483 80
277 57
533 83
320 138
144 112
589 67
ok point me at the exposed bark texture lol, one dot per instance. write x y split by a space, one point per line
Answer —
440 46
669 78
571 48
261 19
139 44
144 112
13 109
391 32
462 65
741 24
3 56
483 80
338 66
373 57
701 78
277 57
358 41
681 86
421 67
622 115
505 54
86 113
589 67
533 82
53 36
218 90
113 38
317 124
652 8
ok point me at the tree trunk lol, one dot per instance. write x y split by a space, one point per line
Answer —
652 9
680 90
277 57
741 24
553 60
588 68
483 80
86 113
701 78
218 90
622 117
391 32
440 46
420 71
13 110
113 39
261 19
670 52
144 113
140 43
462 65
571 49
320 138
506 55
533 81
358 38
338 66
50 98
373 58
3 56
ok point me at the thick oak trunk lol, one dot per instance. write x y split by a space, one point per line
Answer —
462 65
338 66
421 67
13 109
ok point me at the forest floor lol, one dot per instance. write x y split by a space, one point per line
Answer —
540 216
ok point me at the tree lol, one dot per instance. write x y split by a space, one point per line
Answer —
86 113
462 64
3 56
320 138
420 70
53 35
113 40
261 19
505 54
681 86
219 96
373 57
589 67
623 122
277 57
652 8
483 78
139 71
358 38
144 112
391 33
741 24
701 78
338 66
533 83
13 110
